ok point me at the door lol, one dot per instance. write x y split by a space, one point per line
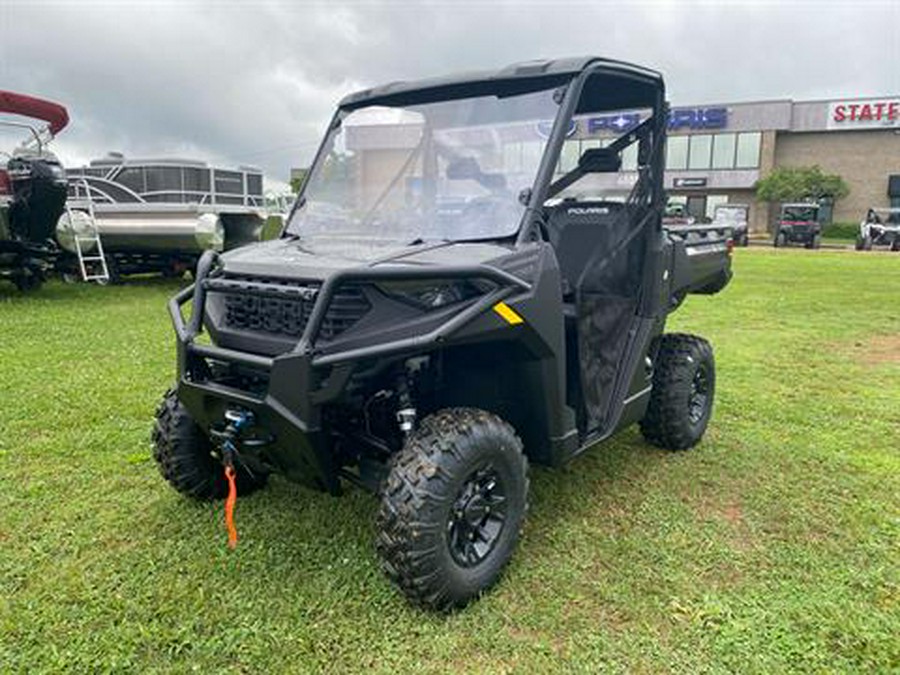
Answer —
696 207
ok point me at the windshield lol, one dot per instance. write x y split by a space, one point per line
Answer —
731 214
801 214
447 170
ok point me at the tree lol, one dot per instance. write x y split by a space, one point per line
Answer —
297 176
806 183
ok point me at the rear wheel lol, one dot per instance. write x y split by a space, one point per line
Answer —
184 456
452 507
895 245
684 386
815 242
867 243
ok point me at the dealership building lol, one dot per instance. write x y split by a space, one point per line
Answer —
717 153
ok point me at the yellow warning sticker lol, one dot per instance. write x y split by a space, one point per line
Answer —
508 313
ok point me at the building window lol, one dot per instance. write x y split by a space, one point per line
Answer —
748 150
512 157
568 158
630 158
676 152
701 150
712 201
826 210
723 151
531 153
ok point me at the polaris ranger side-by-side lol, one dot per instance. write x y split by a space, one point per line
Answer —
468 282
798 224
880 227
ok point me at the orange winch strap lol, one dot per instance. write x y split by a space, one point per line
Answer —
229 507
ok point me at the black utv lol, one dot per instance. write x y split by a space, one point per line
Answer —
798 224
468 283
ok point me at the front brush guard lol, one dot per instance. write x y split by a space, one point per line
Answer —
291 407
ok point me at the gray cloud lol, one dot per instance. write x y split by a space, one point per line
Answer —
254 83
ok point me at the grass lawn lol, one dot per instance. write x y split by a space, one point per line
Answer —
771 547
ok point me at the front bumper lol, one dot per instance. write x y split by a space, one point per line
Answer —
295 385
804 233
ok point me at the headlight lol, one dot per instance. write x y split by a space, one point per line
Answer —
433 294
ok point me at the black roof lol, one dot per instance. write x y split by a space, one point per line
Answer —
513 79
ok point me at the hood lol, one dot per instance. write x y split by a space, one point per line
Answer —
316 259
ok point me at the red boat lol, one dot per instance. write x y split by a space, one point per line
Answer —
32 192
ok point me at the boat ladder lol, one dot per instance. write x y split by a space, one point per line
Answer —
88 247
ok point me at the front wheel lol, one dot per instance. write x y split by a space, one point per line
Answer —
452 507
780 240
684 386
184 456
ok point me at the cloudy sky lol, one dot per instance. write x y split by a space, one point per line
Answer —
255 82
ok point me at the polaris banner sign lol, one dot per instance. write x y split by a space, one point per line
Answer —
679 119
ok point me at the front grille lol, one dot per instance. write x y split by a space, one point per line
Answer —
289 315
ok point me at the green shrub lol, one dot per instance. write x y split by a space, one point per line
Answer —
842 230
271 229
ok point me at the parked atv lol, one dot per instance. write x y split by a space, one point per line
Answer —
736 216
881 227
443 309
798 224
32 194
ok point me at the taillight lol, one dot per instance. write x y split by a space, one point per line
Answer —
4 182
729 245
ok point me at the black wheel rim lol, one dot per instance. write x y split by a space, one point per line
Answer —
477 517
699 399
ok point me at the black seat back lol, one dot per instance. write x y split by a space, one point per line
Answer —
579 229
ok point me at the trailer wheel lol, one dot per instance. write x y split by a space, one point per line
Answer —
183 453
113 272
452 507
28 282
684 386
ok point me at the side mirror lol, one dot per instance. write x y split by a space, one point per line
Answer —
467 168
599 160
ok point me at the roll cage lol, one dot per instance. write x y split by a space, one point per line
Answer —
583 86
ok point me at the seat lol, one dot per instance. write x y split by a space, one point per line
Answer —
577 230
